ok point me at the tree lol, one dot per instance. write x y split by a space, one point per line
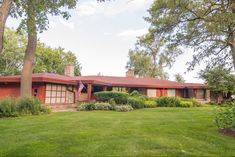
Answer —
54 60
207 26
34 15
16 8
142 65
11 60
219 80
51 60
179 78
4 12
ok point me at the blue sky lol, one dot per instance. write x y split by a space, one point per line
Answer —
100 34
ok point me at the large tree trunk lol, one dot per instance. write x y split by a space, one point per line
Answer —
233 53
26 75
4 12
232 5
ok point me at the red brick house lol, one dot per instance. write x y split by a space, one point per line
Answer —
59 89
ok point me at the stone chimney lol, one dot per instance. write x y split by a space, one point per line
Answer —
130 73
69 70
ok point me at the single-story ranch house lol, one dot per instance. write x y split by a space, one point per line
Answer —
62 89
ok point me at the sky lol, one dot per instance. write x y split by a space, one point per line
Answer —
100 34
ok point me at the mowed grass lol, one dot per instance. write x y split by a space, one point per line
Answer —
147 132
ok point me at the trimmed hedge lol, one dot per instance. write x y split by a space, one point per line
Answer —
195 102
150 104
106 96
186 104
135 102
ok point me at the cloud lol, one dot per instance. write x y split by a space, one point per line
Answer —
107 33
133 33
67 24
110 8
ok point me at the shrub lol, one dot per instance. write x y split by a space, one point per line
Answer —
225 117
118 97
29 106
135 93
195 102
150 104
186 104
8 108
86 107
103 106
123 108
136 102
168 102
45 109
11 107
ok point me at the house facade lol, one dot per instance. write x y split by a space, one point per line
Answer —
53 89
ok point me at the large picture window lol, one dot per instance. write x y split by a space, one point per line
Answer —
55 94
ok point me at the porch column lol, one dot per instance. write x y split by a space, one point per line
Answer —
89 88
105 88
207 95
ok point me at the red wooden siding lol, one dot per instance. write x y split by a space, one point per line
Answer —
9 90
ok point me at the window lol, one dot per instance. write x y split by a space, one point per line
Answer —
200 94
171 92
119 89
55 94
151 92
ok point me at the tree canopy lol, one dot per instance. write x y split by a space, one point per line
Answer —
179 78
205 26
51 60
143 66
219 79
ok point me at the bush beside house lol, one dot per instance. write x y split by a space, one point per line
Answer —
11 107
225 117
121 101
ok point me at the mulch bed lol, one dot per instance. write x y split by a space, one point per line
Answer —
227 132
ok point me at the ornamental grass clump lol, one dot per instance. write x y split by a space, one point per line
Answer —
12 107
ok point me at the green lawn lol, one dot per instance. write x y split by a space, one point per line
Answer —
147 132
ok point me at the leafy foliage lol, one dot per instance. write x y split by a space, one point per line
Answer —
205 26
8 108
150 104
219 79
87 106
136 102
179 78
103 106
51 60
168 102
143 66
11 107
186 104
11 59
106 96
225 117
29 106
123 108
